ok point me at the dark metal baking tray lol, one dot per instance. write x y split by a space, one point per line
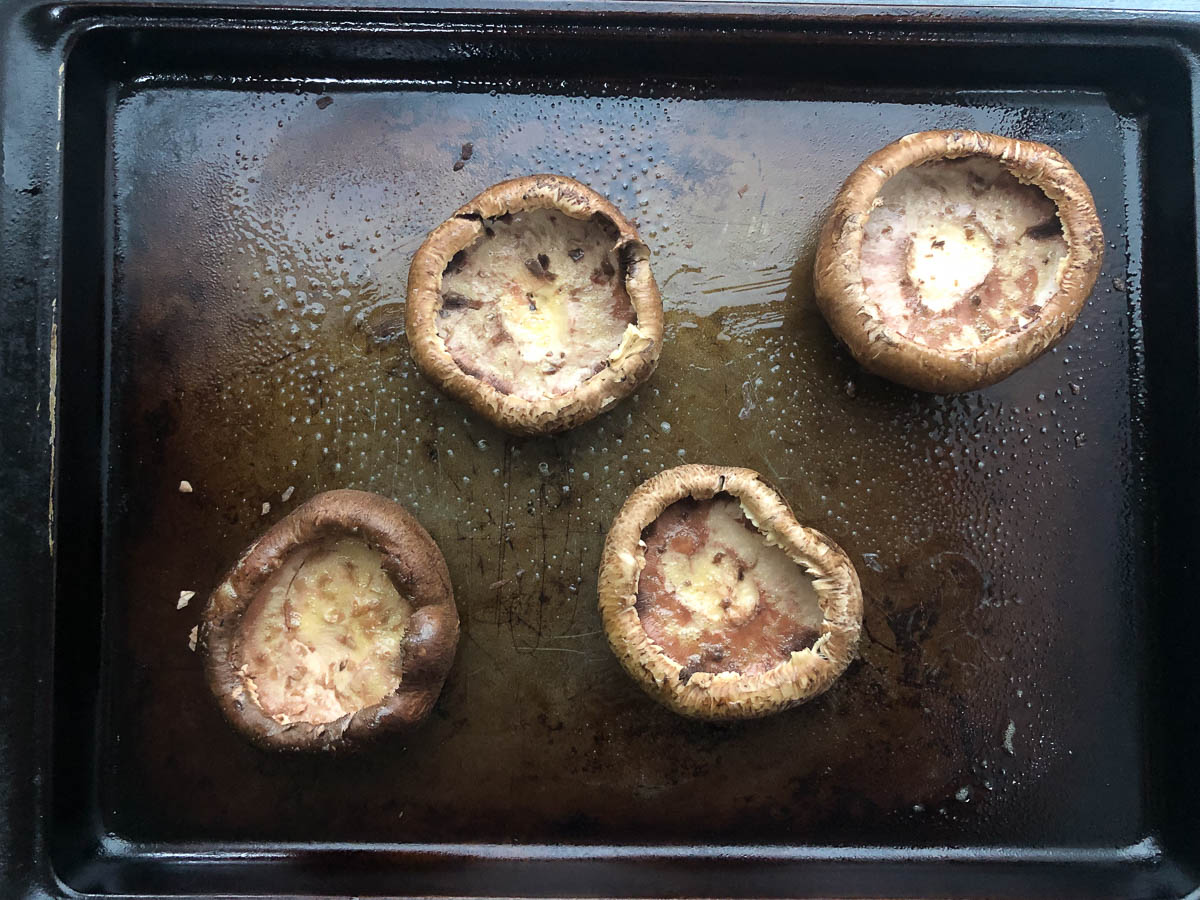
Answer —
208 217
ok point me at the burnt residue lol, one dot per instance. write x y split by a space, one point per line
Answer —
1051 228
458 261
454 300
248 254
539 266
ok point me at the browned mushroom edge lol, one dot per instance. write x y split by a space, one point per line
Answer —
728 695
631 363
843 300
416 566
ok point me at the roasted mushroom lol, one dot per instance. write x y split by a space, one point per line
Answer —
534 305
953 258
718 602
337 624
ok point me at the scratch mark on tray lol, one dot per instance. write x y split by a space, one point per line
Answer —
484 650
551 650
53 407
280 359
780 282
506 507
338 456
396 446
683 269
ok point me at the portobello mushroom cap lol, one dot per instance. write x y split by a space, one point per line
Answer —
534 305
336 625
745 666
978 268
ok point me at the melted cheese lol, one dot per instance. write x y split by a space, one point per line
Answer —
537 305
946 262
712 588
956 252
716 596
324 636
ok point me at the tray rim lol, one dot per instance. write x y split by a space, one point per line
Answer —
40 38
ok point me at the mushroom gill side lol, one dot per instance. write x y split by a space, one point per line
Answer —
718 603
950 259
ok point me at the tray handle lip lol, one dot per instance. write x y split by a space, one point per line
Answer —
46 21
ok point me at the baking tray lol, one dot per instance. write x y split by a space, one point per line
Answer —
208 218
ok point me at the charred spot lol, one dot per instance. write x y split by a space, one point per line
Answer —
453 300
433 453
544 721
1051 228
802 639
489 231
457 262
606 268
976 300
538 266
938 244
576 254
1031 311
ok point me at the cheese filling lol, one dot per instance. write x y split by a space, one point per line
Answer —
717 597
537 305
956 252
324 636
